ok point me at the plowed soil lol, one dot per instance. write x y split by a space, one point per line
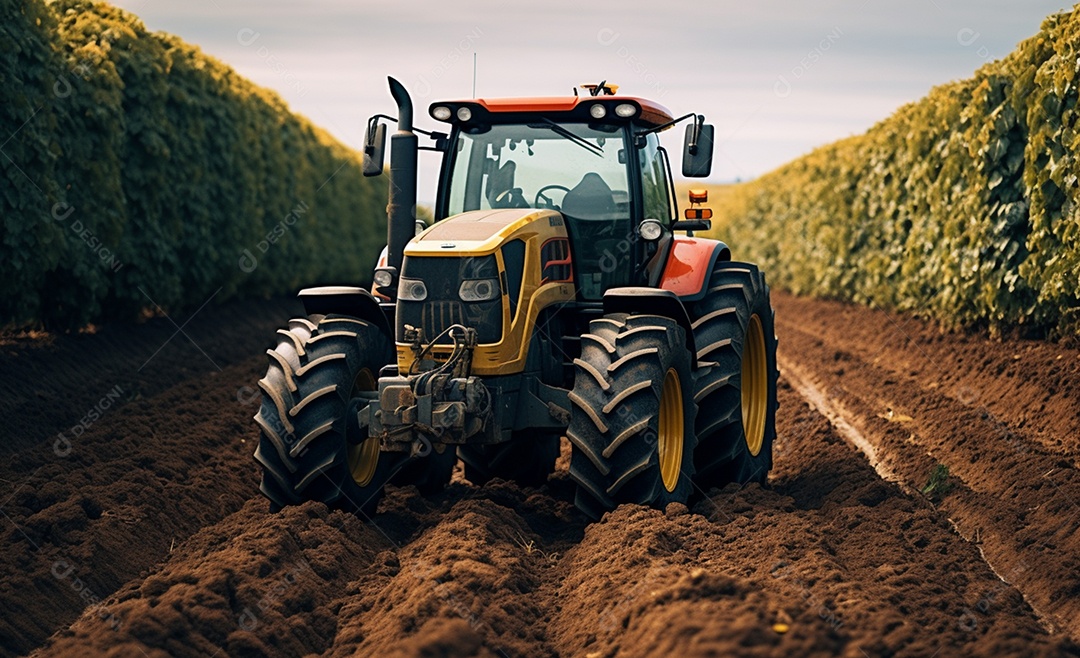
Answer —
925 501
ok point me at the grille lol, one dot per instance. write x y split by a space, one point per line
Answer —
435 317
443 307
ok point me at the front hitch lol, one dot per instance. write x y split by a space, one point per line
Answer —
434 402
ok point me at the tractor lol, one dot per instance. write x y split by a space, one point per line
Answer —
557 293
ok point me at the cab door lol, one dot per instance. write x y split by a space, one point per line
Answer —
658 202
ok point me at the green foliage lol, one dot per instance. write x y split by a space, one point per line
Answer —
937 483
961 207
137 163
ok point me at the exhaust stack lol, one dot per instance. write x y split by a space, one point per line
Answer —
401 209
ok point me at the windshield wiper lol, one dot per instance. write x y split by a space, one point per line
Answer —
580 141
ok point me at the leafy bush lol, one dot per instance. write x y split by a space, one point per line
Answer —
961 207
140 168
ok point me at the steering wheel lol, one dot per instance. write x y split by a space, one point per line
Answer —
512 198
545 199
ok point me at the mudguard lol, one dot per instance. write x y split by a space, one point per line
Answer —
652 301
345 300
689 264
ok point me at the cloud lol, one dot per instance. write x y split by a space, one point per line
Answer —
777 78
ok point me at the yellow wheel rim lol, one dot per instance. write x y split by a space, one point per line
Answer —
364 457
755 386
670 442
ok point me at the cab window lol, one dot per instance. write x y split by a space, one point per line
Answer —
578 170
654 182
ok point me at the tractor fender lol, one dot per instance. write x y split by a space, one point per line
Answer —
652 301
345 300
689 264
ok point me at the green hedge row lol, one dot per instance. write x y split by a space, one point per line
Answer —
961 207
137 167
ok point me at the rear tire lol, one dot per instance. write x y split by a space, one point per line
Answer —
735 385
429 474
632 417
527 459
318 365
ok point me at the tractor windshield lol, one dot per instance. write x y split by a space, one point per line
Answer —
540 165
576 169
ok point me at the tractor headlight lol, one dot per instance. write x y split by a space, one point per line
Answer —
464 113
626 110
597 111
650 230
441 112
383 278
479 290
412 290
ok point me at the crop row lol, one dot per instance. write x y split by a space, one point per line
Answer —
961 206
138 172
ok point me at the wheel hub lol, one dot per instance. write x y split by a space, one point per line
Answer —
670 439
363 457
755 386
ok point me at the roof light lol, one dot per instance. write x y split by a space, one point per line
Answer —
441 113
597 111
626 110
464 113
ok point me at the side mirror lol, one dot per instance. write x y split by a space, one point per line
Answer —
698 149
375 148
442 142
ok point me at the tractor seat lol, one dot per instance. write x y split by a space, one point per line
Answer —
599 236
591 199
501 192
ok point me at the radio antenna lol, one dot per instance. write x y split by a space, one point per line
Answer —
474 75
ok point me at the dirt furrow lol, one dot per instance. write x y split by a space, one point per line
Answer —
135 484
55 384
1029 385
91 506
1013 486
848 562
459 570
152 528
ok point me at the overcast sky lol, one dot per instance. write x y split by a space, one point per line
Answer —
777 78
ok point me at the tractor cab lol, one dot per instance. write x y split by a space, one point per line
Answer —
596 160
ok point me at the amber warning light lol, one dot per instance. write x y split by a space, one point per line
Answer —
693 212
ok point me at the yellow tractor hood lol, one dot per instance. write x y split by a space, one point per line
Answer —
477 232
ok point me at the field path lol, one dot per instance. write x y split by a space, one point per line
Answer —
155 512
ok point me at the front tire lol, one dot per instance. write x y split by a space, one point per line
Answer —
319 364
736 379
632 418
